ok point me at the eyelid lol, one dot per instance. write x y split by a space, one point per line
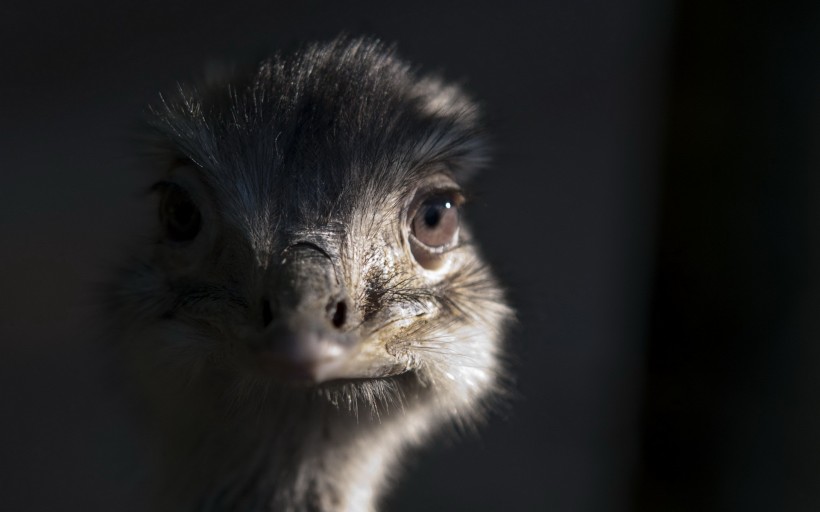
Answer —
423 195
438 250
454 193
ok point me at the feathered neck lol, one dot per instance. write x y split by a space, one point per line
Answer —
286 449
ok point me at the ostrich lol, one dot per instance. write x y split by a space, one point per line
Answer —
309 304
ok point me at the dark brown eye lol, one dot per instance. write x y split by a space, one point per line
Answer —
179 215
434 228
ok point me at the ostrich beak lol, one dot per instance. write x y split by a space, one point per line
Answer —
300 348
307 332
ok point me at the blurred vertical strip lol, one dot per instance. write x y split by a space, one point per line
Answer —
731 417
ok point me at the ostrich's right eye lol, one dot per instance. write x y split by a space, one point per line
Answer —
178 214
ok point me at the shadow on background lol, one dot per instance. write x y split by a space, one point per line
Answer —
652 210
731 415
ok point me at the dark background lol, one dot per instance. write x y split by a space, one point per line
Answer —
653 210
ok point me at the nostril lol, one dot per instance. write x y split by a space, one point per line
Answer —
267 314
339 315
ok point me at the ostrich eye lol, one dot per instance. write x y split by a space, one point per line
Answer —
436 222
179 215
434 228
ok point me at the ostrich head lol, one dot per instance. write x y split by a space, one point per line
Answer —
311 300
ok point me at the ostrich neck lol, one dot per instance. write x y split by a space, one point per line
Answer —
313 457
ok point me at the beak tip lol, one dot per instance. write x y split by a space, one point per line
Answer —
299 366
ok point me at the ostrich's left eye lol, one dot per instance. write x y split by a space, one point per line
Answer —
434 228
179 215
